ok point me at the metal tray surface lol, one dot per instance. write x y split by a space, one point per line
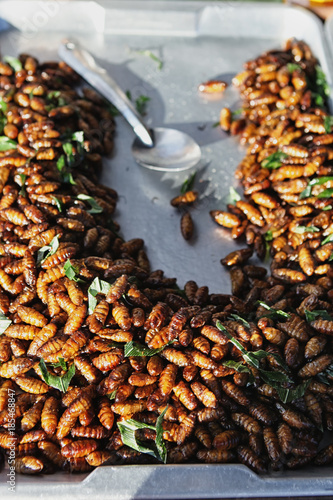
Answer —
196 41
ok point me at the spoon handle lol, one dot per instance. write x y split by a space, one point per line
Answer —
85 65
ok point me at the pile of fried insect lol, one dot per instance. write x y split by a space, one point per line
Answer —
110 362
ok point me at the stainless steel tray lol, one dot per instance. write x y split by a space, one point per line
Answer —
196 41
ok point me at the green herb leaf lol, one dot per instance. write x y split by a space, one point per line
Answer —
61 163
78 136
293 67
159 441
71 271
22 191
288 395
216 124
4 323
6 143
232 197
133 348
95 207
313 315
112 395
306 192
57 202
242 320
321 83
60 383
188 183
274 160
149 53
328 124
268 235
128 94
127 430
53 94
3 105
238 111
236 365
276 312
306 229
328 207
68 148
13 62
327 193
328 239
61 364
47 250
141 104
96 287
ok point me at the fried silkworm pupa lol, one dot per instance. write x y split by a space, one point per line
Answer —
212 87
186 226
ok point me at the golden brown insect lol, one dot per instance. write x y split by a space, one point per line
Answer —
105 414
262 413
248 458
294 418
32 416
212 87
204 395
32 385
75 320
122 316
235 392
18 366
31 316
108 360
317 366
184 199
79 448
292 352
167 379
247 423
186 226
177 357
225 219
28 465
185 395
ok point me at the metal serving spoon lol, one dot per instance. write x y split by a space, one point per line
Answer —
158 149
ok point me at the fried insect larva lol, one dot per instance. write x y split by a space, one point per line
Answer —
73 345
45 334
294 418
52 452
204 395
90 373
32 416
105 414
167 379
97 458
248 423
184 199
31 316
49 415
225 219
32 385
315 346
16 367
248 458
235 392
79 448
117 289
185 395
186 226
75 320
129 407
177 357
316 366
28 465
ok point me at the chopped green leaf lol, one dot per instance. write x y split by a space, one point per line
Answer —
238 111
313 315
328 239
149 53
242 320
96 287
127 430
23 178
60 383
3 105
68 148
314 182
269 235
306 229
232 197
327 193
128 94
95 207
71 271
237 365
53 94
61 163
61 364
57 202
4 323
6 143
328 124
159 441
293 67
141 104
13 62
78 136
273 311
188 183
288 395
133 348
328 207
274 160
112 395
306 192
216 124
45 252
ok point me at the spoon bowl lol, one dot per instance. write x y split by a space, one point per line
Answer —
162 149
